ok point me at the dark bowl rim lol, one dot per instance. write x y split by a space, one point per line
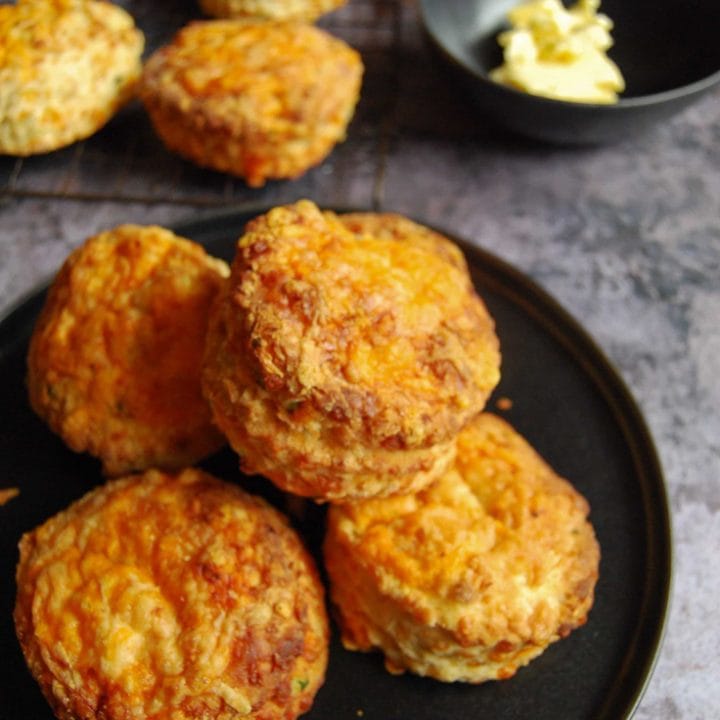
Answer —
636 101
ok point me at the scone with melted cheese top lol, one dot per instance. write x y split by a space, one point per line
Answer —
66 67
472 577
343 365
258 99
115 356
171 597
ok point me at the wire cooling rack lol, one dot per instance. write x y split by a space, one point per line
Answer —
125 161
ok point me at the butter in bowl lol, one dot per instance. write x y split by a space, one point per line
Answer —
583 72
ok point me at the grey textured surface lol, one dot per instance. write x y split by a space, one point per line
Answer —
626 237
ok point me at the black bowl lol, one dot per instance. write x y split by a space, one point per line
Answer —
667 50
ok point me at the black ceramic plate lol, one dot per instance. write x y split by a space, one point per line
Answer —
570 404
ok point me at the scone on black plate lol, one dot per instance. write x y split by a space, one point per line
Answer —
66 67
341 365
258 99
171 597
474 576
115 356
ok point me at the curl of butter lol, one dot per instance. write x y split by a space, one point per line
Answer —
560 53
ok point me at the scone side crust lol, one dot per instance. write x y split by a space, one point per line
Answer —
171 597
292 444
371 616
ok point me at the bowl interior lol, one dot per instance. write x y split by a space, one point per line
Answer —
659 47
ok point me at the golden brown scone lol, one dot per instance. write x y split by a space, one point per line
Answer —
303 10
115 357
66 67
343 366
473 577
260 100
171 597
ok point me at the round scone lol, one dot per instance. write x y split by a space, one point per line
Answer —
260 100
66 67
343 366
473 577
303 10
115 357
171 597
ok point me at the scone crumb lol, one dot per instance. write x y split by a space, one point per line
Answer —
7 494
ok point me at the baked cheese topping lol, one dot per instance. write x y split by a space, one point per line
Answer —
66 66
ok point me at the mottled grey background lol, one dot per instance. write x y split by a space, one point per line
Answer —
626 237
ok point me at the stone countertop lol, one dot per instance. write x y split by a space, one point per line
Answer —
627 237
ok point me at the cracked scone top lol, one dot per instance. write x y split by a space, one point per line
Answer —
342 365
171 597
258 99
474 576
66 67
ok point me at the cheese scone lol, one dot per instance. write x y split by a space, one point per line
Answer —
257 99
305 10
474 576
115 356
66 67
171 597
343 366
